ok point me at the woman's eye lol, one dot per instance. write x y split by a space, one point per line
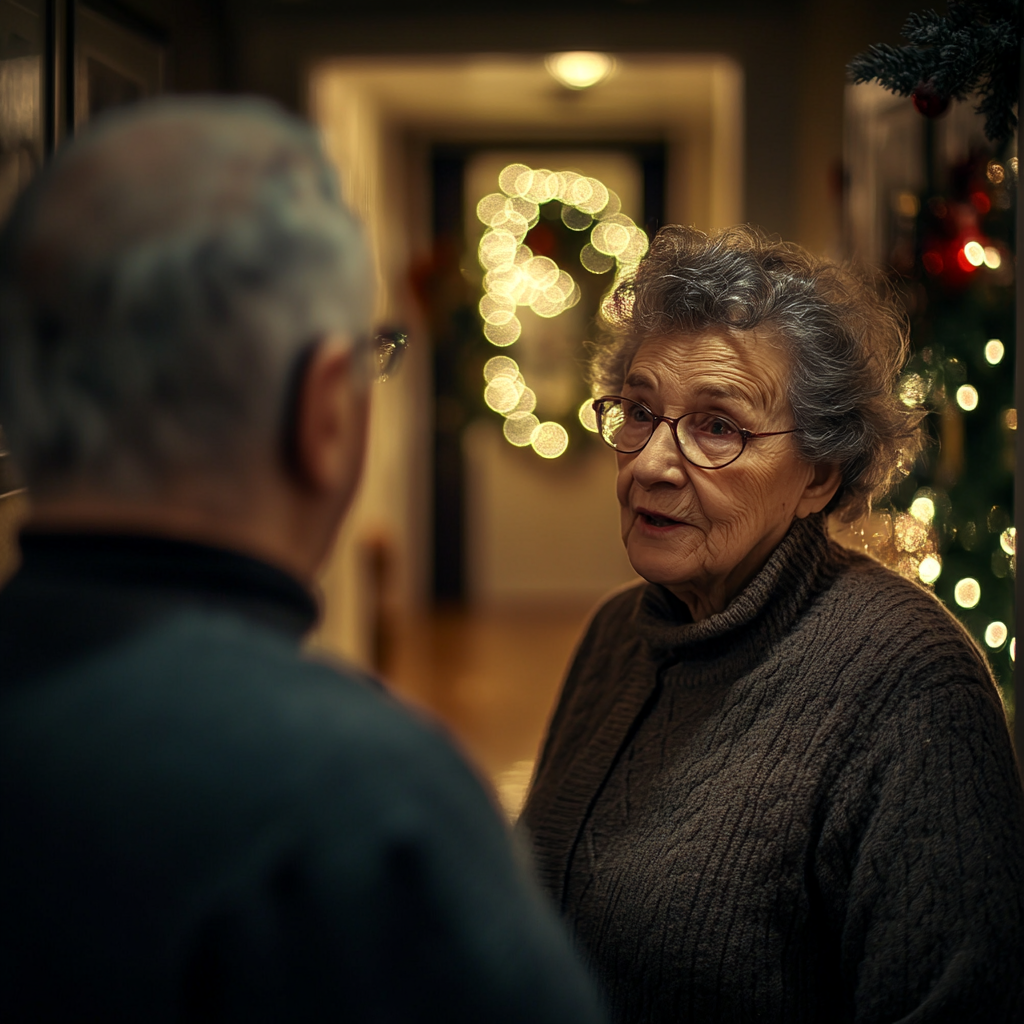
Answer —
716 426
638 414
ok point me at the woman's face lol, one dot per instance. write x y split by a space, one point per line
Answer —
704 533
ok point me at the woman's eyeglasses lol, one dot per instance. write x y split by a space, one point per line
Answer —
705 439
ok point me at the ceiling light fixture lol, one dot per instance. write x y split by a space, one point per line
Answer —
579 69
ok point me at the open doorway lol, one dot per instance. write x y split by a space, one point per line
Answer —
453 512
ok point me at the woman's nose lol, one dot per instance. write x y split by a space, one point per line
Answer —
660 460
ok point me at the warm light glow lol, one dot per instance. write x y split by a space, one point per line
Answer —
516 277
497 309
1008 540
579 69
587 416
911 535
995 634
502 394
576 220
501 335
594 261
1010 418
967 398
907 204
500 366
913 389
527 401
967 592
994 351
923 509
995 172
1013 649
930 569
974 253
1013 165
520 427
992 258
550 440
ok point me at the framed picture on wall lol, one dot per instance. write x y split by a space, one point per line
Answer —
114 61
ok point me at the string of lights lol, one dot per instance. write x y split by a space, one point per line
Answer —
514 277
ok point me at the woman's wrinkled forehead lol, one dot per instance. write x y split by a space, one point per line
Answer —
748 368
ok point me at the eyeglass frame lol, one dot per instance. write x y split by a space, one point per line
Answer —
388 349
673 424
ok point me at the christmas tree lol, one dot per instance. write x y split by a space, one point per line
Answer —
951 249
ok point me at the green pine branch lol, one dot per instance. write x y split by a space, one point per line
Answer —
975 48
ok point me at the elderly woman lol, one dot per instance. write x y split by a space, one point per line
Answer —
778 785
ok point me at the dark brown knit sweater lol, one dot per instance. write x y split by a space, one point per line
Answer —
805 808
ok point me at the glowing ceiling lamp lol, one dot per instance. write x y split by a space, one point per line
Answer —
579 69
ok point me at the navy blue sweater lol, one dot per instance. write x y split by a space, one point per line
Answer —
199 823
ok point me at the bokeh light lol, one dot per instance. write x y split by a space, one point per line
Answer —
913 389
1010 419
1008 540
995 634
587 416
594 261
994 351
579 69
503 334
974 253
911 535
967 592
930 569
550 440
967 397
519 428
992 258
527 401
503 394
923 509
500 366
516 277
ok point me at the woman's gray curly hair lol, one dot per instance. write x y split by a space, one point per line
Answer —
846 333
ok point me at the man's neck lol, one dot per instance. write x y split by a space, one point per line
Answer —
269 534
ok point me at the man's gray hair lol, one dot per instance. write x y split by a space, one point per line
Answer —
158 282
846 335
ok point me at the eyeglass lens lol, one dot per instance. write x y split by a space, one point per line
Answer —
706 439
389 348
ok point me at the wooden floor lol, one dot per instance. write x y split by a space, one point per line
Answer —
492 678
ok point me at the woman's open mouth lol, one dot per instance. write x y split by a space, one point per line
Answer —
655 519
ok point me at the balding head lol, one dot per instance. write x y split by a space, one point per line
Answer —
157 283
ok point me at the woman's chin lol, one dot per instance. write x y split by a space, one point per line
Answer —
654 565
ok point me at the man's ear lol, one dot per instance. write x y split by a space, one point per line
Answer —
825 480
330 419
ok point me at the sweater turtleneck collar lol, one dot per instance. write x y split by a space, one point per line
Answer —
762 612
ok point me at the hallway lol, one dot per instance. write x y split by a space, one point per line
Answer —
492 678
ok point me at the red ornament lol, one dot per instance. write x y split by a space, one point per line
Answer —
929 101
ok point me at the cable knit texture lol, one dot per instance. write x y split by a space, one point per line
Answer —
805 808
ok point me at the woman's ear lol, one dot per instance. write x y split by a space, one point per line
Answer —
825 480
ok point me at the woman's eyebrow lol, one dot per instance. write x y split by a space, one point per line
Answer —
637 379
723 391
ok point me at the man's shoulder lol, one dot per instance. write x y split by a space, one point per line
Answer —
210 690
